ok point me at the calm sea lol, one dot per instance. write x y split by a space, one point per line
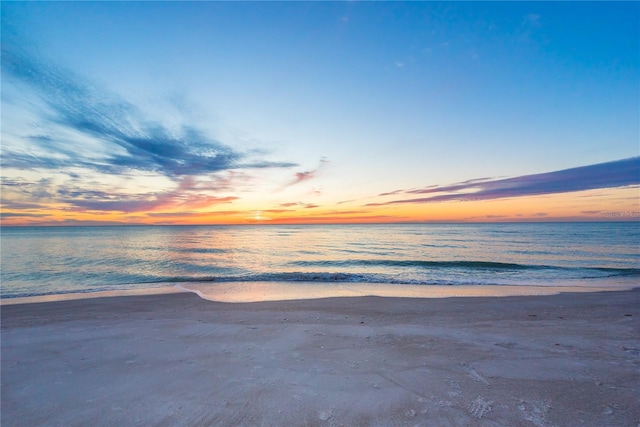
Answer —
51 260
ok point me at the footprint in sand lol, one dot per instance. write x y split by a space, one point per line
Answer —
473 374
479 407
535 412
325 415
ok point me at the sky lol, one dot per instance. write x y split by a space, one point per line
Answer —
319 112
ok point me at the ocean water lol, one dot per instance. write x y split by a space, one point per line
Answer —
57 260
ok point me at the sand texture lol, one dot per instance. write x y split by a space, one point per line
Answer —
167 360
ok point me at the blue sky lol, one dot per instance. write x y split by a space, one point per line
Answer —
237 107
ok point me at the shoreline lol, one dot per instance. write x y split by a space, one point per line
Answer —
73 296
566 359
241 292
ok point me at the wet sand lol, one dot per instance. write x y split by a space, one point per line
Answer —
558 360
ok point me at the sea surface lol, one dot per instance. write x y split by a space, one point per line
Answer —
58 260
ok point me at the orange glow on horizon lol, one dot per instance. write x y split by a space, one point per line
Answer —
618 204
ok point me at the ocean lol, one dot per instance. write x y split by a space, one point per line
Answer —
58 260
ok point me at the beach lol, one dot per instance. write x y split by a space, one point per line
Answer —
177 359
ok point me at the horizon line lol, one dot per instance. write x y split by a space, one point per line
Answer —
633 219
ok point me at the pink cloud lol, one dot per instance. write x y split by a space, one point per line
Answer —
307 175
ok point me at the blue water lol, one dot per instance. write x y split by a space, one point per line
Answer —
51 260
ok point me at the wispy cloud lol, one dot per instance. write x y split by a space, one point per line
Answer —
85 134
307 175
299 204
130 204
189 194
391 193
137 143
183 196
613 174
21 215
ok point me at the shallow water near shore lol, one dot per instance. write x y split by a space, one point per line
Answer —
247 292
62 260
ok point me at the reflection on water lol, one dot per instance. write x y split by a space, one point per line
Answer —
75 259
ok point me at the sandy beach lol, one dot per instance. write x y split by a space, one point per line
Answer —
551 360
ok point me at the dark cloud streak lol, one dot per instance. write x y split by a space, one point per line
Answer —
75 103
613 174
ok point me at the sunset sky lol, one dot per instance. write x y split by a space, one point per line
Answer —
296 112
